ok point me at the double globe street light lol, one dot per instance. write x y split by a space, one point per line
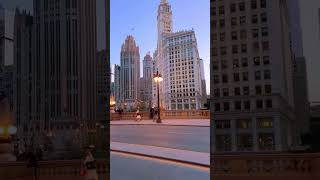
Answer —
157 78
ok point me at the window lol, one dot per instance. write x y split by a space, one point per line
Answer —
266 60
223 50
253 4
223 124
263 17
258 90
216 92
267 74
257 75
265 46
266 141
245 90
244 62
214 24
234 49
242 6
224 78
243 34
233 21
244 142
214 52
263 3
243 123
268 103
222 36
214 11
255 33
237 105
232 8
259 104
256 47
267 88
226 106
225 92
223 142
243 48
237 91
221 10
242 20
224 64
245 76
216 79
246 105
254 19
234 35
264 31
217 107
265 122
222 23
256 61
236 77
235 63
215 65
214 37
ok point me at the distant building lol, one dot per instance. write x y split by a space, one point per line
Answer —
6 36
117 85
146 81
129 73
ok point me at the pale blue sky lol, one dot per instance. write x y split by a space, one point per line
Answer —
142 16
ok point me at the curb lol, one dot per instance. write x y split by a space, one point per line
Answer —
163 158
160 125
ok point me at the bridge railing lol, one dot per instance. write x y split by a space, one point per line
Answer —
50 170
165 114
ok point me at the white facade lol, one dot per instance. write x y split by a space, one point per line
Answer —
177 60
251 77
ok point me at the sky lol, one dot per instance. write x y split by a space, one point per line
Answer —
139 18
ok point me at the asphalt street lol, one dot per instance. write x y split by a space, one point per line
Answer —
178 137
127 167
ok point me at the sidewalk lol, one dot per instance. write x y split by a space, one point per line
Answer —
196 158
166 122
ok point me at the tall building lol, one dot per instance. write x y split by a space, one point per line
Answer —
129 73
23 47
102 83
177 60
64 72
6 36
251 77
146 83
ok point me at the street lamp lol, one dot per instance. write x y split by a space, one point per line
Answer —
157 78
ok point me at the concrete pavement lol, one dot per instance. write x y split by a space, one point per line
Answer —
177 137
191 157
172 122
130 167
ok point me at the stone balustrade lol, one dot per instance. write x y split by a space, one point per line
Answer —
50 170
168 114
266 167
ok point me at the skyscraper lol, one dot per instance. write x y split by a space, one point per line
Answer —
251 77
64 71
116 90
146 83
177 60
129 73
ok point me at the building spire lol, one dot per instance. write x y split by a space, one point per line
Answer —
164 1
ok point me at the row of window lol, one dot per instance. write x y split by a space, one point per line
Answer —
242 105
241 35
256 47
245 77
242 21
259 90
241 6
257 61
245 123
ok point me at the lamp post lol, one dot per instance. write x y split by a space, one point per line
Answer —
157 78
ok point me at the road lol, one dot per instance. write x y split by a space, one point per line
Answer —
178 137
127 167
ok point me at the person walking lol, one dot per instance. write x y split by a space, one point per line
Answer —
33 164
151 113
155 114
89 166
138 116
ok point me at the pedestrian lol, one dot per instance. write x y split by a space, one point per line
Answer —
151 113
120 114
155 114
89 166
138 115
33 164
